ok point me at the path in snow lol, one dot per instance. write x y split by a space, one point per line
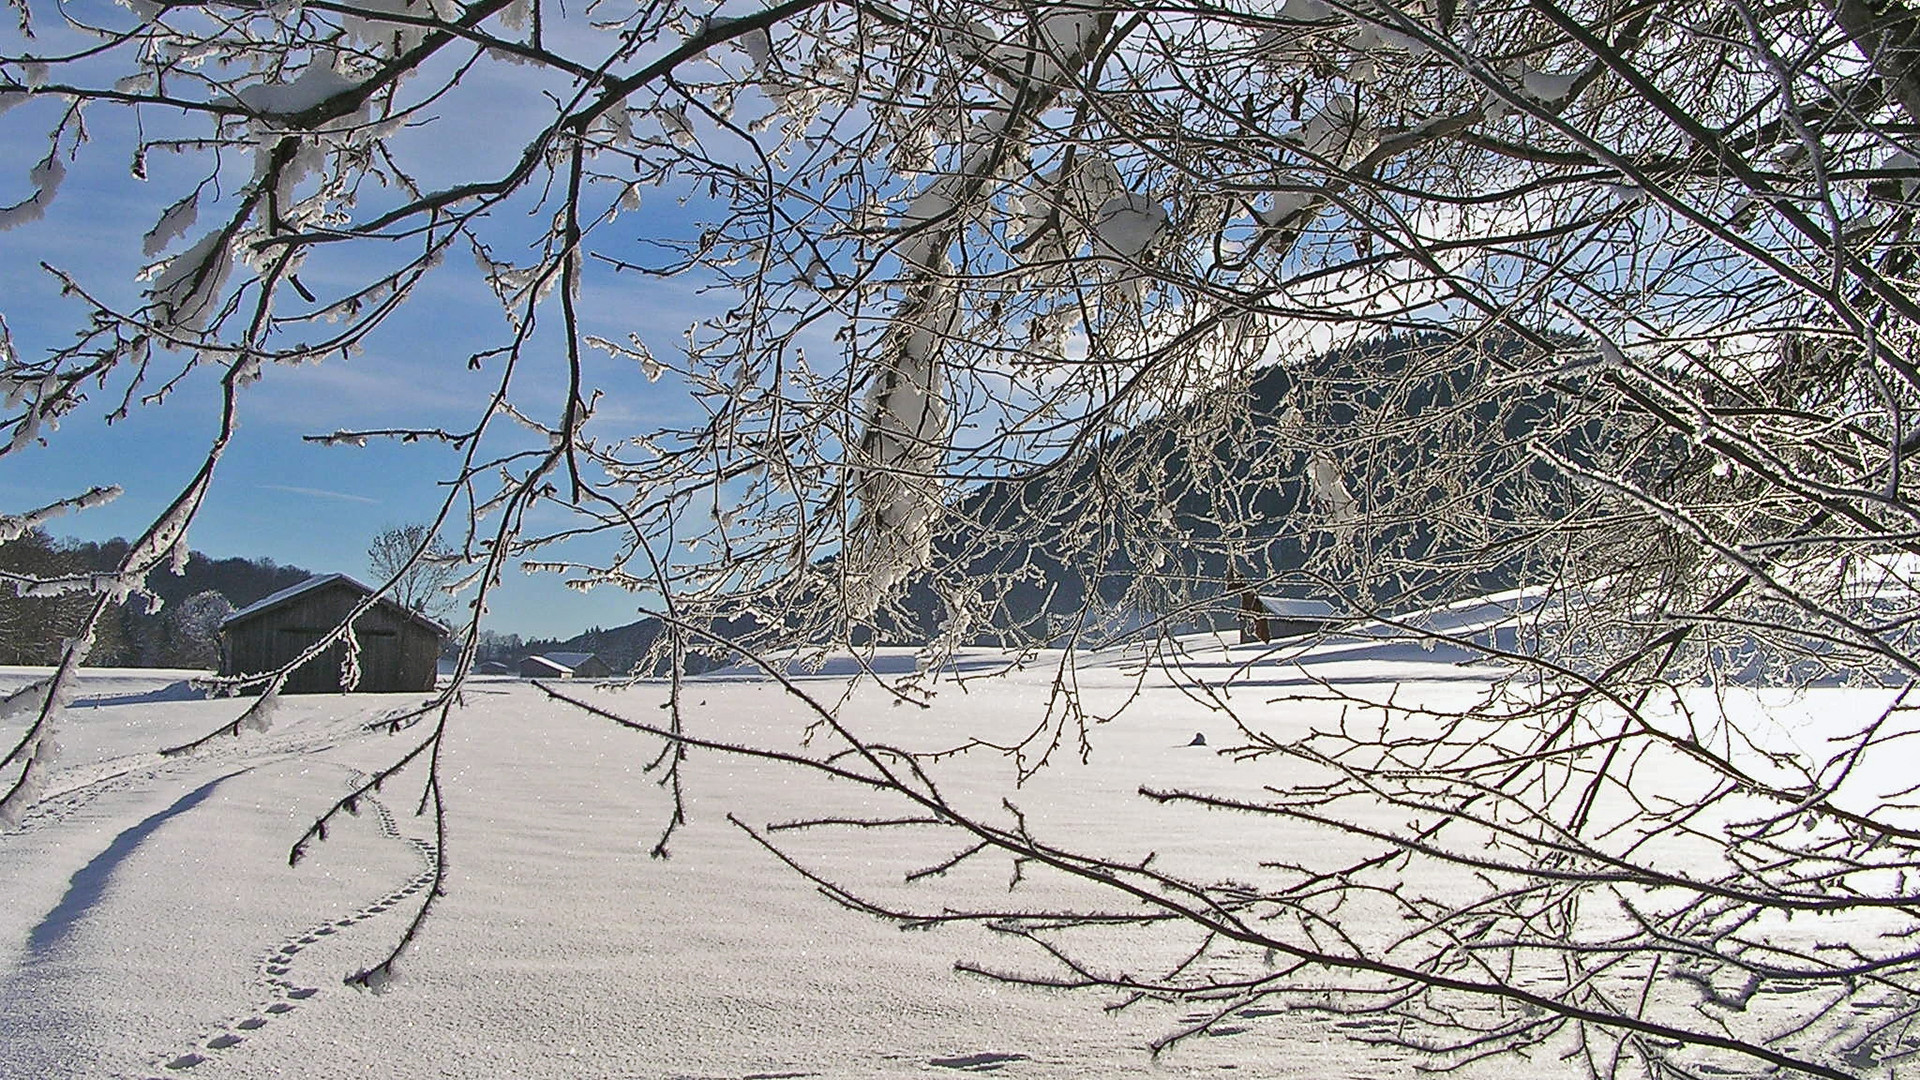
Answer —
140 894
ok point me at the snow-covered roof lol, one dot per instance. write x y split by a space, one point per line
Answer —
549 661
288 593
319 581
569 660
1295 607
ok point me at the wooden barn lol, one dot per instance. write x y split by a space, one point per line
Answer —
399 649
1269 618
564 665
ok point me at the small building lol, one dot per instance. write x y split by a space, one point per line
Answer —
564 665
1270 618
491 667
399 649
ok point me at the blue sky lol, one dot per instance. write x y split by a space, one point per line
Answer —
276 495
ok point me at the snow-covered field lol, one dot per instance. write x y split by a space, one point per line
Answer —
153 927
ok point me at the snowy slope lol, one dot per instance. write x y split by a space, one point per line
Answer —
153 927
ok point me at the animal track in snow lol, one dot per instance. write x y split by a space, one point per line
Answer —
277 966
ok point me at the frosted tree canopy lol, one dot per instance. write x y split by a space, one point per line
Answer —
1066 324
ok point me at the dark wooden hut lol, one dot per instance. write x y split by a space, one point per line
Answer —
1270 618
399 648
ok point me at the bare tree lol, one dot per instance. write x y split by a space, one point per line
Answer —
1613 299
189 634
415 568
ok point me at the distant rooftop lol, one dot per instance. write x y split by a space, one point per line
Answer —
1295 607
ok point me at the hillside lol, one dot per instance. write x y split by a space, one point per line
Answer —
1173 519
1169 521
136 634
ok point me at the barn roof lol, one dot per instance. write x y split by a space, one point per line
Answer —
548 660
319 581
568 660
1294 607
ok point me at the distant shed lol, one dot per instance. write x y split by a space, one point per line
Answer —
564 665
399 649
1267 618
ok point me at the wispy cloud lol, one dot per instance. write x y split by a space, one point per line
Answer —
321 493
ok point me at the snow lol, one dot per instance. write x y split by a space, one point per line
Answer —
288 593
45 177
758 45
1545 87
153 920
1298 607
173 224
673 120
1330 491
1129 223
1286 204
568 660
315 84
560 664
1340 133
189 286
315 582
1308 11
1053 48
923 225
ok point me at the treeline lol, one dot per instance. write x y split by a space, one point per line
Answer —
181 630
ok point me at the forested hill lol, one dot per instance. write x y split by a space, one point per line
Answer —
240 580
1156 523
181 632
1172 518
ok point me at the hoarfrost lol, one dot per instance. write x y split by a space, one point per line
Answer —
46 177
12 527
758 45
1331 494
173 224
259 715
29 698
188 289
371 28
673 120
1339 134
